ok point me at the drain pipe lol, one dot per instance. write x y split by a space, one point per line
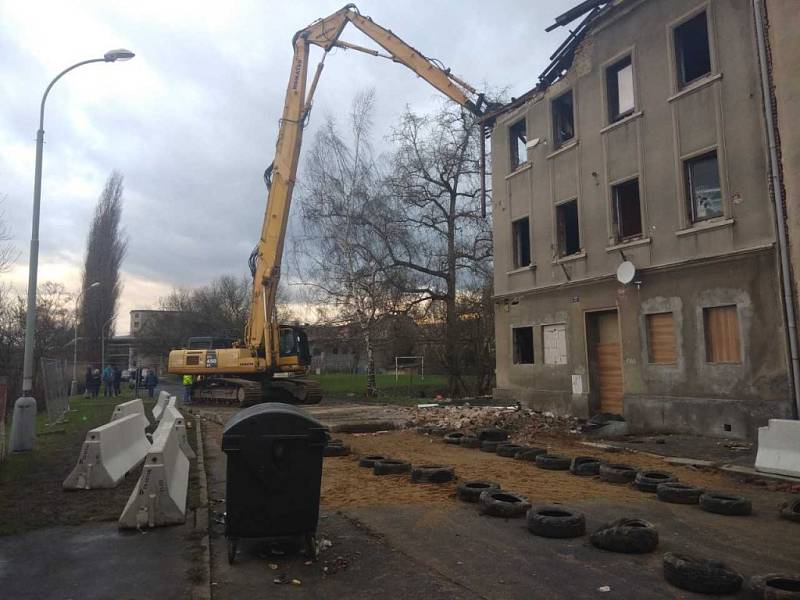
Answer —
783 251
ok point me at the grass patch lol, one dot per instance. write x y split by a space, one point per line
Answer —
31 495
406 389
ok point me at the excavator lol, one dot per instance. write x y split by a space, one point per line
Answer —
271 364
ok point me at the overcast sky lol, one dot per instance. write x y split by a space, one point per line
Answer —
191 122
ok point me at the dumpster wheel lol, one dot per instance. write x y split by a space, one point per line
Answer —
232 542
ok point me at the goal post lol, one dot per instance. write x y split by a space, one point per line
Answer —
409 362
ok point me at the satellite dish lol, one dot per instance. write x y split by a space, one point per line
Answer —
626 272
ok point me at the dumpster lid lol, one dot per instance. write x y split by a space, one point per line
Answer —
287 412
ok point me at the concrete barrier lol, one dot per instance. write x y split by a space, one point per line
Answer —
174 402
161 403
779 448
131 407
159 497
108 452
179 425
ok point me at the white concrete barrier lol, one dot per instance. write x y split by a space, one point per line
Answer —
131 407
159 497
174 402
108 452
161 403
779 448
179 425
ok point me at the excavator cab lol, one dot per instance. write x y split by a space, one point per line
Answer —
293 352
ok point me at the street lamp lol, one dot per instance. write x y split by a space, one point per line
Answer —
74 386
23 423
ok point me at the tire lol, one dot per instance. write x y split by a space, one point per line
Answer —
775 586
631 536
432 474
469 441
648 481
585 465
390 466
723 503
489 446
791 510
698 575
470 491
508 450
529 454
679 493
336 450
453 437
617 473
556 522
493 435
508 505
553 462
369 460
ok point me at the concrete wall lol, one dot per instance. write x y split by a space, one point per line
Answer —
682 266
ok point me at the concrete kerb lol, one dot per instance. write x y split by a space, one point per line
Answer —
131 407
159 497
108 453
202 588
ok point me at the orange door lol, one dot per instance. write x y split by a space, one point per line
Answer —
608 359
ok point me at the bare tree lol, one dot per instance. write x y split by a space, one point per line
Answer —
8 253
433 233
342 262
105 250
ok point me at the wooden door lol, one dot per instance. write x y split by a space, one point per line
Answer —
608 362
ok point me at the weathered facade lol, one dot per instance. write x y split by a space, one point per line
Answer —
650 148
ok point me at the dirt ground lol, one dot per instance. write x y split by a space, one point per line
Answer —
345 484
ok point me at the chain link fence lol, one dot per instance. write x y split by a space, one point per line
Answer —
55 385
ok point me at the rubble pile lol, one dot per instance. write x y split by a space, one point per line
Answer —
522 424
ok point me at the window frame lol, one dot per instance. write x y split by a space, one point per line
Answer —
675 75
515 254
559 247
513 144
558 142
615 220
515 359
613 67
688 190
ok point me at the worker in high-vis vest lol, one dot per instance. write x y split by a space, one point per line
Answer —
187 389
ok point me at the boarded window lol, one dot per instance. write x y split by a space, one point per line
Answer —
692 54
568 233
702 187
518 139
661 338
523 345
619 85
722 334
521 234
627 210
563 119
554 340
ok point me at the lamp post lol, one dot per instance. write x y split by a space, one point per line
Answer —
74 386
23 424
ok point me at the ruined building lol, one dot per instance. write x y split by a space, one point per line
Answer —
646 143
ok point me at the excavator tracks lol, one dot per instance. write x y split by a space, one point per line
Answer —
233 391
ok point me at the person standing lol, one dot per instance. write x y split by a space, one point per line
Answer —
95 383
87 383
117 381
188 380
150 382
108 382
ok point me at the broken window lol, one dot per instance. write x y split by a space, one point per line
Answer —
661 344
703 191
619 85
554 340
523 345
518 139
722 334
569 240
520 231
627 210
692 54
563 120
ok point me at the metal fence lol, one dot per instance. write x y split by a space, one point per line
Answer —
55 389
